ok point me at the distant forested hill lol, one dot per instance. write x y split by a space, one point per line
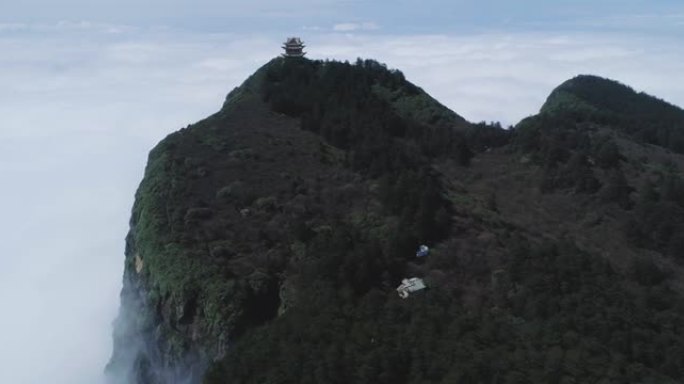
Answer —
645 118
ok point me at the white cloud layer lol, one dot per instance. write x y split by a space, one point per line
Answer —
507 76
348 27
81 109
82 103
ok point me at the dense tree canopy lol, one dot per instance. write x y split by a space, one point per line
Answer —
267 240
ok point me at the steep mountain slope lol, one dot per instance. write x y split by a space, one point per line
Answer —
644 117
267 241
230 211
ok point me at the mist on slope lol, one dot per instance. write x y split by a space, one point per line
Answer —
83 104
81 110
59 286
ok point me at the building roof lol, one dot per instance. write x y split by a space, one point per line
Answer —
410 285
293 47
293 41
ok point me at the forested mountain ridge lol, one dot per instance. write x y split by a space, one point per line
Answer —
646 118
267 241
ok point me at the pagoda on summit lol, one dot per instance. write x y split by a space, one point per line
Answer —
294 47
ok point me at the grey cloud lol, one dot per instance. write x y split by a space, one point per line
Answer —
347 27
83 104
507 76
167 12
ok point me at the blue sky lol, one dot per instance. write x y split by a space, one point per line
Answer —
401 16
89 86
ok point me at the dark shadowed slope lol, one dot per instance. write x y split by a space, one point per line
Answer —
267 241
645 118
229 208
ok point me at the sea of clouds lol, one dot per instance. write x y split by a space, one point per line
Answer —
82 103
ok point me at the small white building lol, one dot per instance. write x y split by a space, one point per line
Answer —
410 285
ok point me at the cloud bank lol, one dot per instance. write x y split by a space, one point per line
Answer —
347 27
82 103
507 76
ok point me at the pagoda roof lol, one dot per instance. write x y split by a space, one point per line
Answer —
293 47
293 41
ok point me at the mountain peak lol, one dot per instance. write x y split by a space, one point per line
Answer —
312 173
594 93
587 93
293 86
645 118
271 241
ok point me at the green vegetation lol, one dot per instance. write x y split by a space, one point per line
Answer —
556 314
658 219
240 205
483 137
567 152
340 102
269 238
643 117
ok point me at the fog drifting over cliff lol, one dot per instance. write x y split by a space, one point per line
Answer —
82 104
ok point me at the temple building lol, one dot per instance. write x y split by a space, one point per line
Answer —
294 47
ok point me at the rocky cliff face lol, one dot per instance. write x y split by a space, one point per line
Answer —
197 269
267 240
224 209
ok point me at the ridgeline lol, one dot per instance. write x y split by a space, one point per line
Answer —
267 240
